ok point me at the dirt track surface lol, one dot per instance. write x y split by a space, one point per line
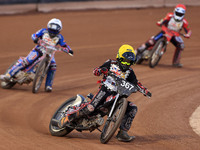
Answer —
162 122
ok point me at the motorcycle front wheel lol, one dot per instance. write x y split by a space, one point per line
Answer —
39 76
114 121
60 112
157 52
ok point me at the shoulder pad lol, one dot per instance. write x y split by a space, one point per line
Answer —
44 30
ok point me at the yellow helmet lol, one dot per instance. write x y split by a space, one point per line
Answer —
126 57
126 52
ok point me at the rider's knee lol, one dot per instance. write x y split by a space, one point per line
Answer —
25 63
53 67
132 108
181 46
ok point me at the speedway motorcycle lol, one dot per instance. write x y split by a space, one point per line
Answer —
108 115
35 72
154 53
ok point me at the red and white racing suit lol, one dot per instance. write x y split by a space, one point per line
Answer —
177 41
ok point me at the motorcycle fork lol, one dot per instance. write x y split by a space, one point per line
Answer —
48 62
113 106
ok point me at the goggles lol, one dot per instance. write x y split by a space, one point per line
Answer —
53 31
127 62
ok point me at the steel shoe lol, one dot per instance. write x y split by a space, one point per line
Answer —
5 77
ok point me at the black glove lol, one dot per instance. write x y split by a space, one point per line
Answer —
36 41
104 70
97 71
68 51
71 52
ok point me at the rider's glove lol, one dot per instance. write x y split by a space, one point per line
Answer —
68 51
186 35
71 52
36 41
159 23
147 93
104 70
97 71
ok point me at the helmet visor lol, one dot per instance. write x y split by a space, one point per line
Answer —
54 28
129 58
179 14
52 31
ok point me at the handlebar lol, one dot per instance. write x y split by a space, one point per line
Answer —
50 47
171 32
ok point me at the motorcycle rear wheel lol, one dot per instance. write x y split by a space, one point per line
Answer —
54 129
113 123
39 76
156 53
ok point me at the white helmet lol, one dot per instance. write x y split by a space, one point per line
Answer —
54 27
179 12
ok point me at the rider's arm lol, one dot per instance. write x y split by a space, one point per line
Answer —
102 69
186 29
143 90
132 78
165 20
62 43
35 37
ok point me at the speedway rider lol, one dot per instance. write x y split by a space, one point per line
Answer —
174 21
121 67
50 35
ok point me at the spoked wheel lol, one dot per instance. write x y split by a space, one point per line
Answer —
58 115
114 121
39 76
157 52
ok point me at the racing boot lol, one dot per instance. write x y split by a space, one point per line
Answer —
48 89
176 58
177 65
49 80
123 136
5 77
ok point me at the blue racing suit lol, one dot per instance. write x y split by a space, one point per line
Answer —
35 53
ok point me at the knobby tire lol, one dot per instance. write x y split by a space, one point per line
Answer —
154 50
108 129
55 130
39 76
